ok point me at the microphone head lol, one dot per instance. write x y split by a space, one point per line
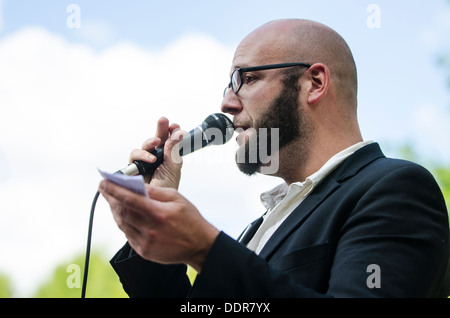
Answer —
215 122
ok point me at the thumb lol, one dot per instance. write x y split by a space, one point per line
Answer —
172 146
161 194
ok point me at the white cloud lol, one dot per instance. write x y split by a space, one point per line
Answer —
67 110
96 32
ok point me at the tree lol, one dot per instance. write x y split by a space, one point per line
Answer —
5 286
67 279
439 171
442 175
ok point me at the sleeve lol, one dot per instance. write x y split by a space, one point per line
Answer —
145 279
243 275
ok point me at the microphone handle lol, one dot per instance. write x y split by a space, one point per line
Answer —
142 167
146 168
194 140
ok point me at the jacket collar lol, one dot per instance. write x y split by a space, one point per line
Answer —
346 170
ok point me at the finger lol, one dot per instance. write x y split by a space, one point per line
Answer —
127 222
162 129
143 155
122 196
129 229
172 146
121 214
161 194
176 136
132 212
106 189
151 143
173 127
102 192
139 209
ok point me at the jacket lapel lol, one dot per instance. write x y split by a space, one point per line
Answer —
351 166
298 216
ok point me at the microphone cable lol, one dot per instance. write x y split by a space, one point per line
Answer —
88 246
218 121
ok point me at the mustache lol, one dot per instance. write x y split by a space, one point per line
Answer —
243 125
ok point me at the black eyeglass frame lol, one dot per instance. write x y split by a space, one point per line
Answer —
257 68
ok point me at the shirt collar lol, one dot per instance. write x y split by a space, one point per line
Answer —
271 198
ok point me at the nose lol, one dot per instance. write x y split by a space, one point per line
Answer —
231 103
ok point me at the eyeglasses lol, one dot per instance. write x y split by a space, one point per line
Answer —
237 77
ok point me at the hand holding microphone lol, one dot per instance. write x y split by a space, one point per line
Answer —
167 137
165 227
168 143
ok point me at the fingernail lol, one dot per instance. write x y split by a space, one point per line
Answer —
151 158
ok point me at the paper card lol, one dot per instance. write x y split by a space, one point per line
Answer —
133 183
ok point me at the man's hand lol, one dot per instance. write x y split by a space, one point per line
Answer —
168 174
164 228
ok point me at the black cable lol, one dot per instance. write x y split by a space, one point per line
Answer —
88 247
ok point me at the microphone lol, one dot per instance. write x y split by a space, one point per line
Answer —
216 129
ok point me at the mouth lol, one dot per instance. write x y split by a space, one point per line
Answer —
240 125
244 132
241 128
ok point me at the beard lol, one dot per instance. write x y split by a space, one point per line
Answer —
285 114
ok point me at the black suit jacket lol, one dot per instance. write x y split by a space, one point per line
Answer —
374 227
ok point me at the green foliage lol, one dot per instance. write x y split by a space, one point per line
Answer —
5 287
67 280
440 172
407 152
442 175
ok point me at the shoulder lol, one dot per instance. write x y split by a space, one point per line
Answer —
401 173
369 171
397 167
370 162
398 186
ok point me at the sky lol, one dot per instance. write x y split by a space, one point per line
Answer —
82 83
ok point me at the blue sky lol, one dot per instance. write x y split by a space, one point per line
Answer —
77 99
394 61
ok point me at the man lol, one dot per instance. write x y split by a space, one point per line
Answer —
347 221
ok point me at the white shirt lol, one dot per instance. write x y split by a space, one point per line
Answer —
283 199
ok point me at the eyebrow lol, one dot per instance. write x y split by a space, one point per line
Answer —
244 65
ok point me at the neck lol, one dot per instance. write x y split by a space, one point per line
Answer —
299 161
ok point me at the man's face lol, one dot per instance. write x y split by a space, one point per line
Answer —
283 113
267 99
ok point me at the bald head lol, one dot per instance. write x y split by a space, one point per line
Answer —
297 40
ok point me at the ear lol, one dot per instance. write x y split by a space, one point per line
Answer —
319 75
